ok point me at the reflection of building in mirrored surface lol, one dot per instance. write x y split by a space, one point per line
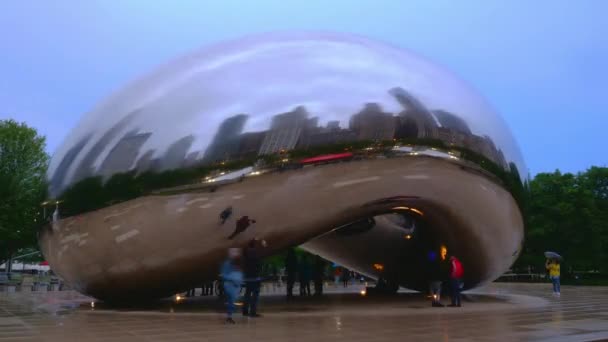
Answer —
58 179
123 156
176 153
285 130
332 134
359 152
87 166
144 162
415 121
372 123
191 159
226 141
250 144
452 122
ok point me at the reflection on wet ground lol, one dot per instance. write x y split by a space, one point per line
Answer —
497 312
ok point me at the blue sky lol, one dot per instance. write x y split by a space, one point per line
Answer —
542 64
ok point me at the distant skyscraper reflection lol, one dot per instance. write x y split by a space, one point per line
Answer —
285 130
176 153
57 182
145 161
87 167
122 157
226 140
372 123
415 121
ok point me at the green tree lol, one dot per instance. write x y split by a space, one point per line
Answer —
568 214
23 165
595 182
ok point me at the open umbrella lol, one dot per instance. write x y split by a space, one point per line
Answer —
552 255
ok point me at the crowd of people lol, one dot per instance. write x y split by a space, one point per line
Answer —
305 270
243 269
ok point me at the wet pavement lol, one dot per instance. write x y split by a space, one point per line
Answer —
498 312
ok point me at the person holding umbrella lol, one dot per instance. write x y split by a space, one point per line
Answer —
552 266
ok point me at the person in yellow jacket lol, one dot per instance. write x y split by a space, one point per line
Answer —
553 267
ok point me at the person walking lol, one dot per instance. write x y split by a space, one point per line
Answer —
456 274
241 225
291 265
225 214
345 277
207 288
438 274
305 275
252 279
319 275
232 279
337 275
553 267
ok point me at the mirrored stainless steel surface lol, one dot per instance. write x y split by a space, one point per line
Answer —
309 134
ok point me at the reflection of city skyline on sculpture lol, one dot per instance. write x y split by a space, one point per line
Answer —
293 130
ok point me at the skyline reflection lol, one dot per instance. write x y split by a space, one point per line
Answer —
298 129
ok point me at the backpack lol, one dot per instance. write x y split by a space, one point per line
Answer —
457 270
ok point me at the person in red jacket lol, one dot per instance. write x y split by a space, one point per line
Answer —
456 274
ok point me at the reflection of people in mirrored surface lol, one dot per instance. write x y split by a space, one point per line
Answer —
319 275
207 288
225 214
291 265
305 275
345 277
241 225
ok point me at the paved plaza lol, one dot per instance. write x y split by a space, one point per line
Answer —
498 312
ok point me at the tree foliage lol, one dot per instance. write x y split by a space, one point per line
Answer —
568 214
23 165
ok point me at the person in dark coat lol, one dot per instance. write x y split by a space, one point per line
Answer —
345 277
252 268
241 225
225 214
305 275
291 266
439 267
319 275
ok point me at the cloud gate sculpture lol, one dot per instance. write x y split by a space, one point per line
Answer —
359 152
